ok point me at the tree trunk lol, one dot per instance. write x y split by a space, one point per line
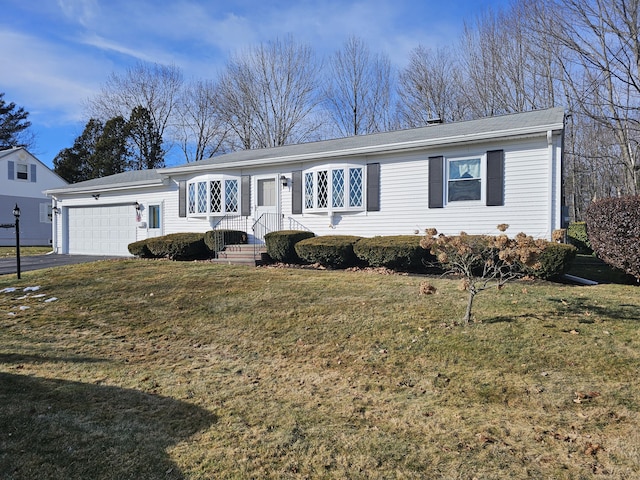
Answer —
467 315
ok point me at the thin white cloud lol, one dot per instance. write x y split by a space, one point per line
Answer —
82 11
46 77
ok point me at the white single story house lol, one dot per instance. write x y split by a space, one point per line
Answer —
465 176
23 178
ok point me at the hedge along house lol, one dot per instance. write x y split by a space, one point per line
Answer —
467 176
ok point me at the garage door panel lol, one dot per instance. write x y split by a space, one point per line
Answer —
105 230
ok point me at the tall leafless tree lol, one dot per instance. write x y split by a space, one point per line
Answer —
153 87
600 42
199 129
429 88
268 94
358 89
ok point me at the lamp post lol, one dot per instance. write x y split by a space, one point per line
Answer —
16 213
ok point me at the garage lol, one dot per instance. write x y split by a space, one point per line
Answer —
101 230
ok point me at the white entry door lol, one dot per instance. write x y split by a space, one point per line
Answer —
267 209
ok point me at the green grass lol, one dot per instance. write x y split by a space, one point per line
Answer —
156 369
6 252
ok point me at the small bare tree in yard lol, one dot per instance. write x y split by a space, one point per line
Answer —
483 261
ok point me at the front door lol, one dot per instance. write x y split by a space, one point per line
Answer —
267 211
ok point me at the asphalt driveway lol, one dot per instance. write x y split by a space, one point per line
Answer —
36 262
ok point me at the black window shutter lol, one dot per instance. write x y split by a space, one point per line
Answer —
182 199
296 192
373 187
245 187
436 182
495 178
10 167
33 173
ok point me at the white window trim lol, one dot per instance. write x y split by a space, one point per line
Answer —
329 168
207 179
482 178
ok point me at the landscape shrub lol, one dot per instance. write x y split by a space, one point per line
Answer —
577 235
613 227
554 260
179 246
215 240
281 245
140 249
335 251
398 252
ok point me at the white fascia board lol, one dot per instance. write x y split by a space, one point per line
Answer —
370 150
106 187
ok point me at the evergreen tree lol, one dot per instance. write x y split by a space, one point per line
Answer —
13 122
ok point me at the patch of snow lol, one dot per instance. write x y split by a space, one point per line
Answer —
32 289
52 299
24 307
8 290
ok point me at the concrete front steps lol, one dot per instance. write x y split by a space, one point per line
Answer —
241 255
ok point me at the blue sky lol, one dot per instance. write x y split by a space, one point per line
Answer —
55 54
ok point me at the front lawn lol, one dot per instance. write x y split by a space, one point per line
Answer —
156 369
9 252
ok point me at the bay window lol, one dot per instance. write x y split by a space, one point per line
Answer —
338 188
213 195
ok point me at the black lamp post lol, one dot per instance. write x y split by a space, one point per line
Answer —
16 213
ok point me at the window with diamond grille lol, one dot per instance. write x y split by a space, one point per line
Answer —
308 190
323 189
337 188
355 187
202 197
192 198
215 196
231 196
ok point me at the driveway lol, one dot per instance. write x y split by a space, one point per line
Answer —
36 262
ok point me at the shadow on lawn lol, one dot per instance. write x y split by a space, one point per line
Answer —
61 429
586 310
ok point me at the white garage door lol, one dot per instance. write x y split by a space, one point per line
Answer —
103 230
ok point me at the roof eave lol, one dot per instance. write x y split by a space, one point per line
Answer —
112 187
369 150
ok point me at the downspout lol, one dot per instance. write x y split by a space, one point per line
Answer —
54 214
551 207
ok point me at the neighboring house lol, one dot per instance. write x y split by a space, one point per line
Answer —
467 176
23 178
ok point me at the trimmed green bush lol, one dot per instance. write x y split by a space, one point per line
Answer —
398 252
281 245
140 249
179 246
613 225
555 260
334 251
577 234
215 240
